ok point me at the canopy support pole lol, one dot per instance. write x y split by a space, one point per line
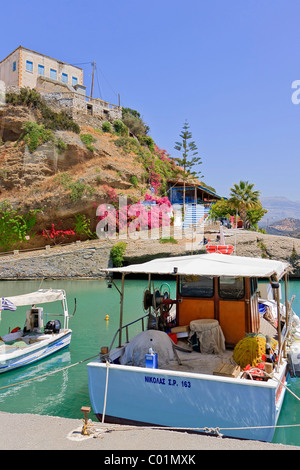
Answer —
287 312
149 280
121 309
276 292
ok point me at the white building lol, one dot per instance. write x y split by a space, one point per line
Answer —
60 84
26 68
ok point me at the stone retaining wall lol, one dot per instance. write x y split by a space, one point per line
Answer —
85 259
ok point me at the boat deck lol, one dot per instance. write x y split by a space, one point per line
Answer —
193 361
200 363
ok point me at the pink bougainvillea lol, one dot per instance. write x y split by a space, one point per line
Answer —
134 217
158 200
111 193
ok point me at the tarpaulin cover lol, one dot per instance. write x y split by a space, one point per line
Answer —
209 265
39 297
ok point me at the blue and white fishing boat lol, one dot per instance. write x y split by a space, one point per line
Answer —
197 384
34 342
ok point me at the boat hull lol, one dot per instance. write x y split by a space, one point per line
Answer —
34 353
142 396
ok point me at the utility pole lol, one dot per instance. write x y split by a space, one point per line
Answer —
93 79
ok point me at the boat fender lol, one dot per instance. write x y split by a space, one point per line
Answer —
15 329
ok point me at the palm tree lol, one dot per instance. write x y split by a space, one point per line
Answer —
243 198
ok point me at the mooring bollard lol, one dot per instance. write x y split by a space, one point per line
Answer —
85 431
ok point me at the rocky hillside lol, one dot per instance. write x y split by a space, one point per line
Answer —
62 173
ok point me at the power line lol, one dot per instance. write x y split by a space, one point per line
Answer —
108 83
98 82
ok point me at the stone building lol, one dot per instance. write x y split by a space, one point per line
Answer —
60 84
26 68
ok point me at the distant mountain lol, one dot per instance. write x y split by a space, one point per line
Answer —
279 208
286 227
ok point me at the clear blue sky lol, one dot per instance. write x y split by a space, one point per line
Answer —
226 66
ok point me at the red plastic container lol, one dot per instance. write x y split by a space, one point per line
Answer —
173 337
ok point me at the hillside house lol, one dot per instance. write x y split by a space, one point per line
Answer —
60 83
198 201
26 68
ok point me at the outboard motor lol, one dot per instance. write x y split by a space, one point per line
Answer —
34 319
52 326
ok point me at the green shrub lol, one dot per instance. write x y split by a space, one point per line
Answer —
26 97
88 140
135 125
35 135
58 121
50 119
77 188
106 127
82 226
61 145
14 227
128 144
147 140
134 181
64 179
117 254
294 255
168 240
120 127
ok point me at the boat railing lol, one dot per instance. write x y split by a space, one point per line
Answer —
125 327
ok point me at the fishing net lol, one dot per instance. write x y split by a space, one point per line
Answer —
250 349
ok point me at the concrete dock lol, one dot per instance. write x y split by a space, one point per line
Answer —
36 432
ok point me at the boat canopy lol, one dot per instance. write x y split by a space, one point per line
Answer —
39 297
208 265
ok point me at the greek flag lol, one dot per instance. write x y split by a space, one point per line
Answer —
7 305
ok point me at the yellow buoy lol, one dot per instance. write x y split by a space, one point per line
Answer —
107 317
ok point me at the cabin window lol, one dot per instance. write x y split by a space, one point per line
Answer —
231 287
197 286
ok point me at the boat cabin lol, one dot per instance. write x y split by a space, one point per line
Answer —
216 287
233 301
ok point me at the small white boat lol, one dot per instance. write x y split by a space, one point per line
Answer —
35 342
217 307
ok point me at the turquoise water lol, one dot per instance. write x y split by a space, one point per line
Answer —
64 393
